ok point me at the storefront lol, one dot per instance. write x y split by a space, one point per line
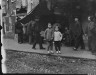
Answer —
63 10
13 8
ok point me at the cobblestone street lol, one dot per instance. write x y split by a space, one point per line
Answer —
21 58
35 63
48 36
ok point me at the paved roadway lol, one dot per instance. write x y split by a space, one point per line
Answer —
65 51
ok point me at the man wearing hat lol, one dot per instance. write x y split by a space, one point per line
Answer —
19 30
78 35
91 33
37 35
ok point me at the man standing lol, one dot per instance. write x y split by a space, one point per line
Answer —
78 35
37 35
94 33
91 32
19 30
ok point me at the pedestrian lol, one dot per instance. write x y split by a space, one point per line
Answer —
91 33
49 38
37 35
94 37
57 39
78 35
19 30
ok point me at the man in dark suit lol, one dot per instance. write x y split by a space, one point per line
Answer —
19 30
78 35
91 33
37 35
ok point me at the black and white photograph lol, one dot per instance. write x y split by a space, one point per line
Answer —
48 36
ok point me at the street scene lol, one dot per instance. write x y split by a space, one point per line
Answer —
49 36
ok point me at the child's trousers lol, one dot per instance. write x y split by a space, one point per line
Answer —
50 45
57 45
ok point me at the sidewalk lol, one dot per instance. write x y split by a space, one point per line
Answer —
65 51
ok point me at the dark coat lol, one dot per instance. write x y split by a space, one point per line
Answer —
37 30
77 29
94 37
91 32
89 28
18 27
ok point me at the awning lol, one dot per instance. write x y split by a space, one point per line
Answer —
40 10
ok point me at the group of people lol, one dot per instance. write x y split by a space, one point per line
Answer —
53 35
90 34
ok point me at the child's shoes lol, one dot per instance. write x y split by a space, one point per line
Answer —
48 52
59 52
51 51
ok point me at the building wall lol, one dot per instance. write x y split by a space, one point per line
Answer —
9 11
9 17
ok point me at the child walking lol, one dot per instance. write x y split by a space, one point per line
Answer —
49 38
57 39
